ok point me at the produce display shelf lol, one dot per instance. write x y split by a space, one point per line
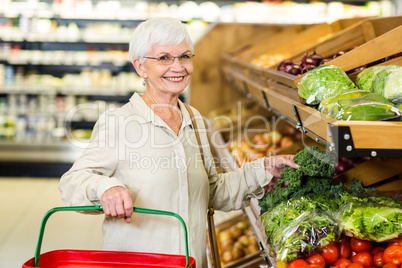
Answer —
346 138
346 40
369 52
287 43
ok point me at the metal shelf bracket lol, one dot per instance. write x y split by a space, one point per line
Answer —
299 124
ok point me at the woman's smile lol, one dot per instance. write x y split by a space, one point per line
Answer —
175 78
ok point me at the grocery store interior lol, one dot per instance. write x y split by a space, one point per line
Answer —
65 62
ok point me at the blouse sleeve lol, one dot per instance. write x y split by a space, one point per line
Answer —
233 190
92 173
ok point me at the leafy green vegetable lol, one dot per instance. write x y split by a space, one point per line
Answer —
370 221
364 80
315 174
308 233
393 87
315 162
324 82
288 211
368 195
342 104
326 104
381 78
367 111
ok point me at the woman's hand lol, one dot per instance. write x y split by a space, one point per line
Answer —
278 163
117 203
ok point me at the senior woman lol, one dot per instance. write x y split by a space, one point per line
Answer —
145 154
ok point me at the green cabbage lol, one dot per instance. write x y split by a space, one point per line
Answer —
324 82
364 80
393 87
381 78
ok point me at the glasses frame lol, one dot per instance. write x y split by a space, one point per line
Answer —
173 58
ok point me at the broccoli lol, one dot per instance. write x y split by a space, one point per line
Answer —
315 174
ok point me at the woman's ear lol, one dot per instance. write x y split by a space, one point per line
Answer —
139 68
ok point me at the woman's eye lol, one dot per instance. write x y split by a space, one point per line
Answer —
164 58
185 56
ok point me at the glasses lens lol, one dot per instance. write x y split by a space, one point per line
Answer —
185 58
165 59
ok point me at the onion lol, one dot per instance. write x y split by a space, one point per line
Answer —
324 61
308 68
283 64
338 54
294 69
316 59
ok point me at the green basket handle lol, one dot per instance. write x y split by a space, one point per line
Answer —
99 208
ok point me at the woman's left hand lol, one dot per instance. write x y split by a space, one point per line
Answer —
278 163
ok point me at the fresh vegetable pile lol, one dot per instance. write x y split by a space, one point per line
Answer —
353 253
315 174
311 222
377 92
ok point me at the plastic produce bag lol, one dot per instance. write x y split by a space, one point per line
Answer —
327 103
381 78
341 104
367 111
393 87
364 80
308 233
286 212
370 221
324 82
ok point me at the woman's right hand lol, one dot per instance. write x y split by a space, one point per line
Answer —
117 203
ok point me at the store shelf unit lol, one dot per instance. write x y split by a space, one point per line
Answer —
348 139
378 141
48 65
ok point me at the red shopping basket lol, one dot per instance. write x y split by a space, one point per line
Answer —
101 258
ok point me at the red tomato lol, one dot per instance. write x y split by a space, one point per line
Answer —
341 263
364 257
395 242
355 265
298 263
314 266
393 254
330 253
316 258
358 245
377 249
377 259
344 248
389 265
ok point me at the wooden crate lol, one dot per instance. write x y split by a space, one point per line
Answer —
373 50
344 40
249 260
276 40
287 43
222 139
309 37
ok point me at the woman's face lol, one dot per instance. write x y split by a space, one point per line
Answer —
172 78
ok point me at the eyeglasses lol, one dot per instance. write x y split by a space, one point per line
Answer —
168 59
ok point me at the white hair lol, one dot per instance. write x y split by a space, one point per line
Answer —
159 30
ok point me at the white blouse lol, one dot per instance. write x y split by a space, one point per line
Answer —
134 148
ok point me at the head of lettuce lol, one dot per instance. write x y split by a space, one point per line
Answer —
325 81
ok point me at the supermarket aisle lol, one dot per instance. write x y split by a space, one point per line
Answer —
23 203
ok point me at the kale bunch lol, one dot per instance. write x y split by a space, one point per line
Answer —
315 174
316 163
